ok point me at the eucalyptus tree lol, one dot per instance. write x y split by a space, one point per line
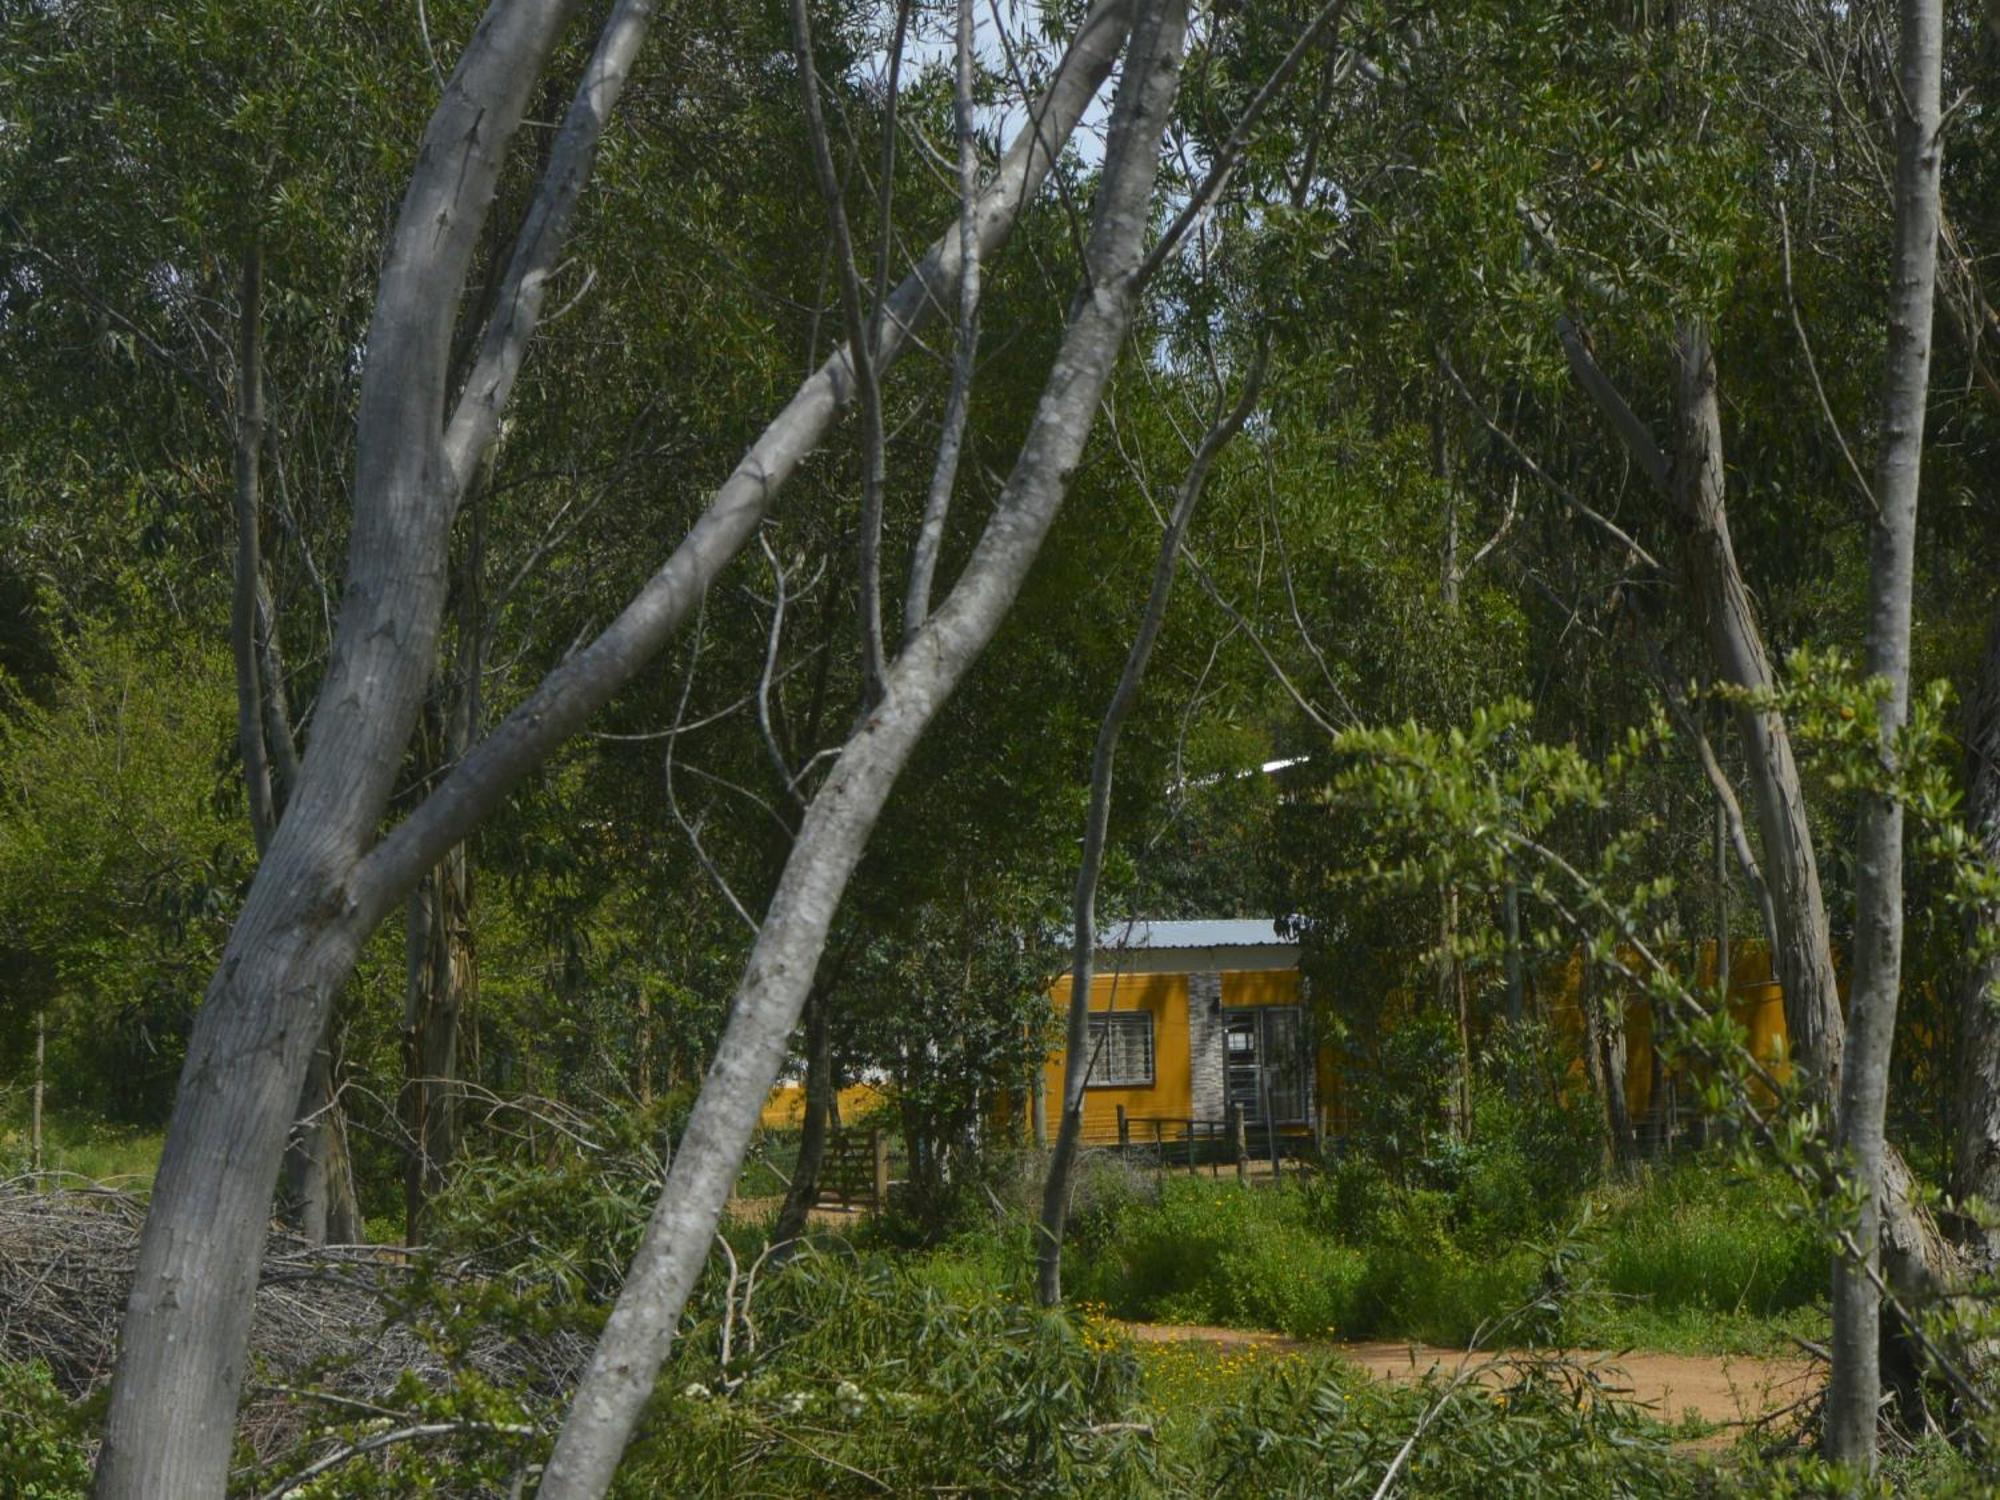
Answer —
329 879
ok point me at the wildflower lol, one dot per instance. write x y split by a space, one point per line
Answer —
695 1391
793 1403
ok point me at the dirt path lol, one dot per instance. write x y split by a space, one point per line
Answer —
1731 1388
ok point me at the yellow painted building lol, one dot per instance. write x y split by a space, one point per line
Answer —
1190 1021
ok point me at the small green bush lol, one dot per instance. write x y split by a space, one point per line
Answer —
1306 1430
44 1454
1215 1253
855 1376
1706 1238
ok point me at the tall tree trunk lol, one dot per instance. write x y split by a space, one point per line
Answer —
441 975
1057 1186
1913 1257
171 1422
316 1197
1803 961
1976 1097
1855 1391
803 1192
616 1386
311 1196
331 877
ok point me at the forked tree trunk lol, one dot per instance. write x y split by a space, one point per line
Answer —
837 824
328 884
1057 1186
1855 1392
171 1423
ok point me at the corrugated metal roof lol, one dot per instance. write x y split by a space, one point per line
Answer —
1229 932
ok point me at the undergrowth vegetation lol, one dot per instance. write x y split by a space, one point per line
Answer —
1696 1256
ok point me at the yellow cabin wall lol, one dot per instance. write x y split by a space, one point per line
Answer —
1262 987
1172 1092
1755 1002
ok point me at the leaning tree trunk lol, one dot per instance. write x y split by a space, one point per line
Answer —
1803 961
1914 1259
1059 1183
1855 1392
1976 1097
329 882
803 1192
616 1386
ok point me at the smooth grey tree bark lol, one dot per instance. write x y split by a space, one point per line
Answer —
842 814
1913 1257
1060 1181
1854 1393
965 346
328 885
171 1422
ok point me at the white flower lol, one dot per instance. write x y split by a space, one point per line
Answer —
695 1391
793 1404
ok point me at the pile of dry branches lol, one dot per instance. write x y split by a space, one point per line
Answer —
328 1335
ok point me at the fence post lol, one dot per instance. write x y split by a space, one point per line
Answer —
1124 1129
879 1145
1271 1131
1240 1138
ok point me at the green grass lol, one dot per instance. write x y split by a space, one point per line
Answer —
1695 1258
118 1155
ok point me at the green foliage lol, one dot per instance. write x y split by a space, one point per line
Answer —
1697 1255
44 1437
1709 1238
852 1377
1305 1431
121 1155
122 852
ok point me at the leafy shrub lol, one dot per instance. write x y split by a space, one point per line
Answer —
1208 1253
43 1449
1705 1237
1307 1430
857 1377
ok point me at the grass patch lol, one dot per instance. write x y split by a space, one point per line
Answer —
1696 1258
121 1156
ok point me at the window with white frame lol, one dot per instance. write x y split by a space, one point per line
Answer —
1121 1050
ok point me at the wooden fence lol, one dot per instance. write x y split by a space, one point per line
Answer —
855 1171
1182 1141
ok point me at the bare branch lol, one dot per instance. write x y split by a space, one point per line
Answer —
475 424
862 330
958 404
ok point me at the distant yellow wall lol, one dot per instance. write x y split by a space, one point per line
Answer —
1262 987
786 1108
1172 1093
1756 1003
